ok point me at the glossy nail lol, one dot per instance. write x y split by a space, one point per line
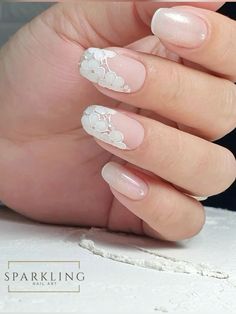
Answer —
112 127
112 70
179 27
124 181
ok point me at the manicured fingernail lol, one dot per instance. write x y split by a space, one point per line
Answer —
179 27
112 127
114 71
124 181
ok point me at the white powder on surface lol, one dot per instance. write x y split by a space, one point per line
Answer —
202 255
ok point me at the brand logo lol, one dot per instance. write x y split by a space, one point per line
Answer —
43 276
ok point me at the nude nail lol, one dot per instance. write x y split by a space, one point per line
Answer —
112 70
179 27
124 181
112 127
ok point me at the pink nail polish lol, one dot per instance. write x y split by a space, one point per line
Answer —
179 27
112 70
112 127
124 181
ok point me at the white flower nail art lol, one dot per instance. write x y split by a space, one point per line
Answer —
96 121
95 68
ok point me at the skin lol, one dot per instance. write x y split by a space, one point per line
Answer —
50 169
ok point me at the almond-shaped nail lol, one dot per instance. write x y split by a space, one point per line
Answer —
180 27
112 70
124 181
112 127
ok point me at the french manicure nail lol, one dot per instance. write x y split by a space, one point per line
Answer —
124 181
179 27
112 70
112 127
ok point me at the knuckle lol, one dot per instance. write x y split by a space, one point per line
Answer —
172 95
163 212
223 170
228 109
217 166
227 44
219 60
174 222
202 163
197 224
228 169
67 25
170 157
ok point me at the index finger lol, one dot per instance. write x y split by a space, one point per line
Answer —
105 23
200 36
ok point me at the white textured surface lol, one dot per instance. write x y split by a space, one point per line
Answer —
114 287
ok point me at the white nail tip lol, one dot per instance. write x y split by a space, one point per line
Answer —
95 68
96 121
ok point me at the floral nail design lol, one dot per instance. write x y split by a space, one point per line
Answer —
96 121
95 68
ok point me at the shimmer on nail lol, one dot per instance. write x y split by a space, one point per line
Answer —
124 181
179 27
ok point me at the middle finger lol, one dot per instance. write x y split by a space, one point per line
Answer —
200 101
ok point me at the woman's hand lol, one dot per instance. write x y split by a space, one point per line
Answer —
50 170
200 99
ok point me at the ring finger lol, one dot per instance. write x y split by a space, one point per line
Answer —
195 165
